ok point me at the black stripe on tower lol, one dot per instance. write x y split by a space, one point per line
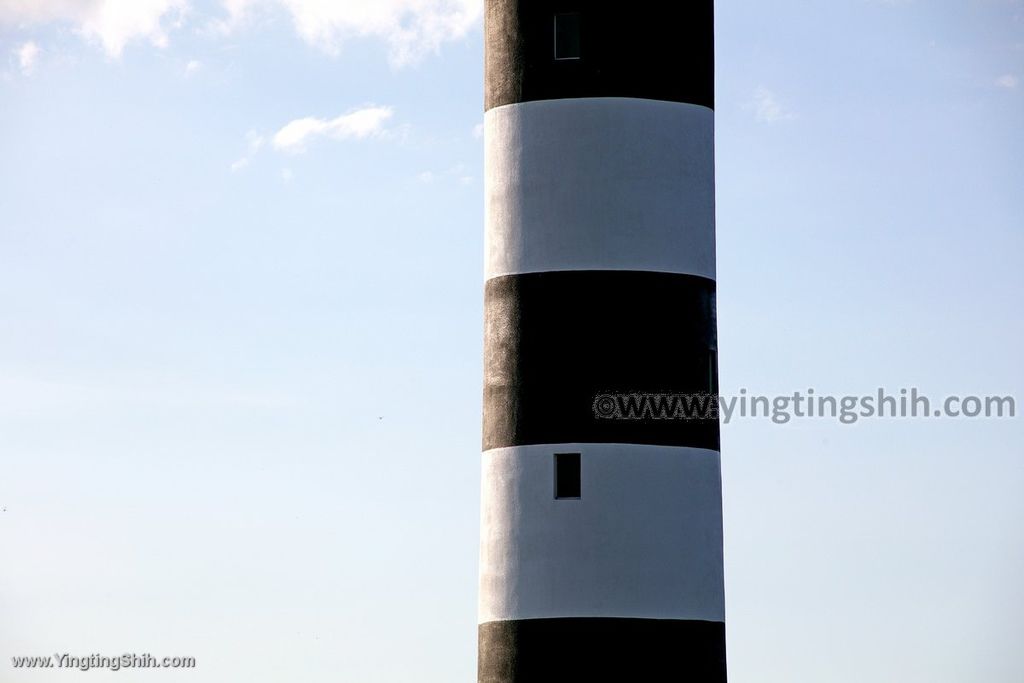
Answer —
554 341
598 649
656 50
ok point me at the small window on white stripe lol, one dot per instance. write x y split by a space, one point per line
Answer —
567 476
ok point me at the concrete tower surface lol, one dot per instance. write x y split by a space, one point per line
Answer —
601 537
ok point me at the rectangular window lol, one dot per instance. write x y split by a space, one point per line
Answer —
567 476
567 36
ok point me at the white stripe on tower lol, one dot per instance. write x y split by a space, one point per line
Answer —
643 541
599 184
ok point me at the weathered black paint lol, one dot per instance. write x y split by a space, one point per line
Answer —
653 50
553 341
601 649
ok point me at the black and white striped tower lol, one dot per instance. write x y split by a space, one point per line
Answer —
601 540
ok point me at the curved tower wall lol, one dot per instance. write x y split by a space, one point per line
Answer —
601 539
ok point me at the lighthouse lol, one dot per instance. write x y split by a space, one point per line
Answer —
601 526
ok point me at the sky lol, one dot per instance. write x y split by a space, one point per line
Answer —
241 256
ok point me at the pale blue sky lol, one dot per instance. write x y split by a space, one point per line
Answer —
240 368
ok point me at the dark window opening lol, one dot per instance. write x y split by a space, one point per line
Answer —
567 475
567 36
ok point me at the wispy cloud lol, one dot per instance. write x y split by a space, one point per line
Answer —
295 136
1008 81
358 124
768 108
411 28
478 131
255 143
26 54
193 66
111 23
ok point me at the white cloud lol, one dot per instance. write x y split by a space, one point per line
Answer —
27 54
296 135
255 143
193 66
411 28
1008 81
111 23
768 108
237 10
357 124
478 131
